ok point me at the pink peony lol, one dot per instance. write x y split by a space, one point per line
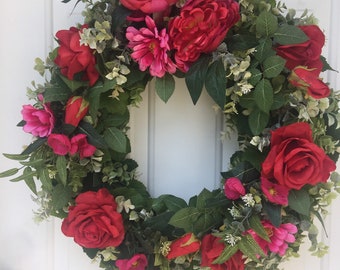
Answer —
150 48
137 262
233 188
279 237
275 193
60 144
39 122
200 28
79 144
148 6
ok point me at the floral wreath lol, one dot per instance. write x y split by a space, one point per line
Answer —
261 65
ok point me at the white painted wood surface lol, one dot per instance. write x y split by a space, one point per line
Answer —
164 138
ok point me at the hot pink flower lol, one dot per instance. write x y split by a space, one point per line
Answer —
79 144
200 28
150 48
275 193
233 188
39 122
279 237
60 144
148 6
137 262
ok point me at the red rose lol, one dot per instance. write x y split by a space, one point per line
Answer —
187 244
137 262
307 53
94 221
294 160
308 79
73 58
76 109
200 28
233 188
60 144
80 145
148 6
212 248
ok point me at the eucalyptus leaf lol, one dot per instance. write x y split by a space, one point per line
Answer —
165 87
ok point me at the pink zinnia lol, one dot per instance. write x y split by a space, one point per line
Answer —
150 48
39 122
279 237
275 193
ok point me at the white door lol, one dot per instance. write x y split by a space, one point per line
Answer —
167 139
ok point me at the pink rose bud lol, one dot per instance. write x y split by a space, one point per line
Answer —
233 188
76 109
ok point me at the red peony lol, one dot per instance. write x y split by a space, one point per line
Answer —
60 144
212 248
294 159
75 110
200 28
233 188
307 53
74 58
184 245
137 262
308 79
93 221
148 6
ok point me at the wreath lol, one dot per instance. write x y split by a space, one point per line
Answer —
259 62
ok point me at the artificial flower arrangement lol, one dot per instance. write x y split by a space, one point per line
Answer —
259 62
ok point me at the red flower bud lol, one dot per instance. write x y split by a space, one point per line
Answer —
76 109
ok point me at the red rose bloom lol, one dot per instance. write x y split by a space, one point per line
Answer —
200 28
308 80
73 58
148 6
307 53
233 188
187 244
212 248
294 160
94 221
76 109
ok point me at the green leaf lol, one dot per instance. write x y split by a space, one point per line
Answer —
30 181
165 87
250 248
273 66
61 196
264 50
273 212
16 156
325 65
116 140
256 225
172 202
34 146
73 84
56 93
257 121
93 136
226 254
202 198
27 174
256 76
263 95
290 34
207 220
119 15
9 172
266 24
241 42
185 218
62 170
195 77
45 179
159 222
215 82
299 201
34 163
